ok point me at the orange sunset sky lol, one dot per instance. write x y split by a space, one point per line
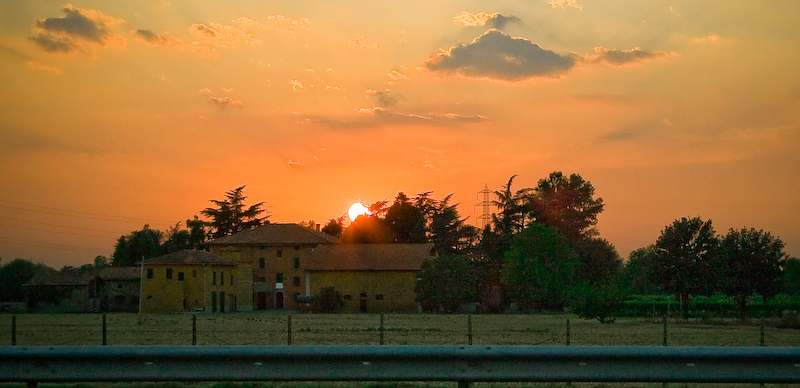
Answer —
120 114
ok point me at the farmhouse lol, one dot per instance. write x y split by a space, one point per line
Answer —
194 280
370 277
290 263
64 291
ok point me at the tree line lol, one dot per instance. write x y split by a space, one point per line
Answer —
540 251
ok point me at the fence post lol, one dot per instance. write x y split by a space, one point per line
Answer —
762 331
289 331
194 329
13 330
665 330
568 332
469 331
381 330
105 331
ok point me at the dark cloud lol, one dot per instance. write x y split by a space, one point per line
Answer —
77 29
224 102
76 24
622 57
150 36
495 55
501 21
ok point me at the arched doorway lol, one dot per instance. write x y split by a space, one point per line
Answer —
279 300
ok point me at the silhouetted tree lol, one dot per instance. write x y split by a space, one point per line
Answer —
752 262
567 204
510 218
231 215
367 230
791 277
145 243
334 227
598 261
406 222
686 260
16 273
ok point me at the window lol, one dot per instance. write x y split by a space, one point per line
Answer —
280 252
194 273
222 278
180 276
348 297
278 278
262 247
214 278
262 262
296 281
231 279
379 297
297 247
169 273
296 262
149 273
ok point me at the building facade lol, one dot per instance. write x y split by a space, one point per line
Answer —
278 255
193 280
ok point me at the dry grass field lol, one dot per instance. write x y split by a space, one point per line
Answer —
259 328
411 329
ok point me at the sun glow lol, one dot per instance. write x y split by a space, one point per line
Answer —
356 209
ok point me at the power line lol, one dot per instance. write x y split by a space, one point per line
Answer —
58 226
37 244
76 214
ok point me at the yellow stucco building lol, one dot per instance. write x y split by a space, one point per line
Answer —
193 280
372 278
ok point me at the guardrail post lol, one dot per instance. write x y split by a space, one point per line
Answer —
568 332
381 330
13 330
289 331
105 331
194 329
469 335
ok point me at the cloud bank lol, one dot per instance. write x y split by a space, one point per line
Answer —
495 55
493 19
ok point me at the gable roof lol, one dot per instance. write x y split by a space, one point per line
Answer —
120 273
63 278
369 257
189 256
277 234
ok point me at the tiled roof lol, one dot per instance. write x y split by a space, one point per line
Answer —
63 278
121 273
277 234
189 256
369 257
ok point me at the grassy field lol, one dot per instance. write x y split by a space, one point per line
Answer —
259 328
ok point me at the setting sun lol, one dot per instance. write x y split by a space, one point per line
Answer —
356 209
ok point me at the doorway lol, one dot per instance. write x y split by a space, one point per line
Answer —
279 300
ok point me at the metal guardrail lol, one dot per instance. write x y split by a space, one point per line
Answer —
463 364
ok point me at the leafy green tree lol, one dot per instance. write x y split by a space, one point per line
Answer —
598 261
752 262
328 300
539 267
567 204
334 227
638 273
231 215
791 277
406 222
597 301
138 245
444 283
488 259
16 273
687 260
